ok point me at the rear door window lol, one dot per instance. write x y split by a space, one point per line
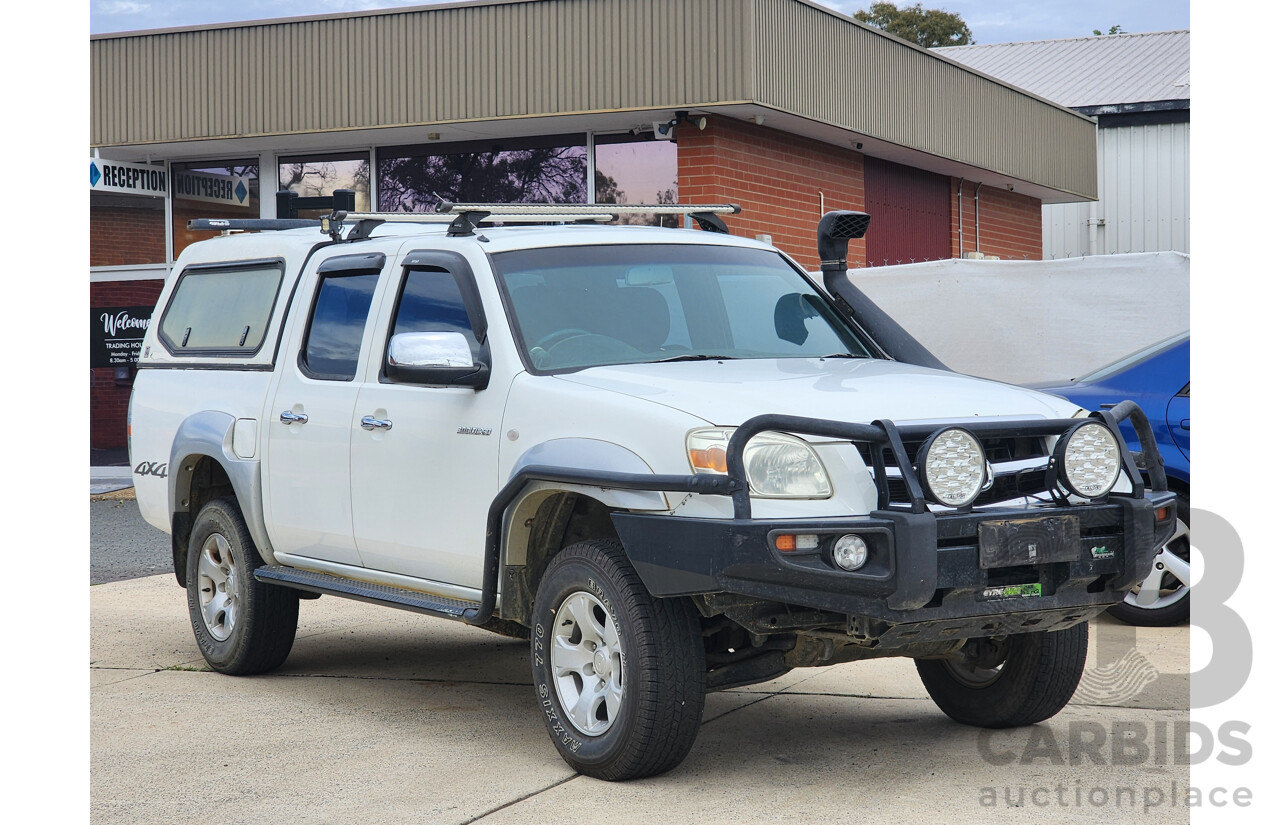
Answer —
331 350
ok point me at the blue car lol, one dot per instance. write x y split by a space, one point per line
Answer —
1158 378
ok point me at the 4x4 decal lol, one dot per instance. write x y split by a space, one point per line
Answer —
152 468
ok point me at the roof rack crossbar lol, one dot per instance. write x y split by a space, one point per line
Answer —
450 208
463 218
366 222
601 213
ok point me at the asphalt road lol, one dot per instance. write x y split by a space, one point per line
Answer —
122 545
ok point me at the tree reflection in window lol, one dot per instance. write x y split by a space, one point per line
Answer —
637 169
413 179
319 175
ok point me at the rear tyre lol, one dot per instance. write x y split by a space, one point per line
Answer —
242 626
1009 681
620 675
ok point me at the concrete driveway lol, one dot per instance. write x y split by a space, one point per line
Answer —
380 716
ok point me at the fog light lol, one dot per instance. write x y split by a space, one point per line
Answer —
1088 458
952 467
849 552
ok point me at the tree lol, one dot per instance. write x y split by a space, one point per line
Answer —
924 27
1114 30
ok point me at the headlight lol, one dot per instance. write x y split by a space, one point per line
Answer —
778 466
952 467
1088 459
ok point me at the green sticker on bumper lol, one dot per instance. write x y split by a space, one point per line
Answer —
1101 552
1013 591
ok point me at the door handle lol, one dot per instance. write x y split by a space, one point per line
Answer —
371 423
289 417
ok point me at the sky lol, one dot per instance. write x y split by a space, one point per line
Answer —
992 21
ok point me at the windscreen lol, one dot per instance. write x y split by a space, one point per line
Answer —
1122 364
584 306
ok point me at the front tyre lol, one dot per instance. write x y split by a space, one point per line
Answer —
1008 681
242 626
620 676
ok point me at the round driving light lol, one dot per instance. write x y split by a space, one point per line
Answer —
1089 460
952 467
849 552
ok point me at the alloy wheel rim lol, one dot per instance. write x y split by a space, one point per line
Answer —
219 602
586 663
1170 578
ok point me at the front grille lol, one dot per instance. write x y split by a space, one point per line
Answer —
1013 459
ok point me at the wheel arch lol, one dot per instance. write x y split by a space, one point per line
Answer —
547 517
203 466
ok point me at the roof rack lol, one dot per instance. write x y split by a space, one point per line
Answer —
463 218
704 214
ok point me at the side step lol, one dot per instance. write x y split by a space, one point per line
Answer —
427 603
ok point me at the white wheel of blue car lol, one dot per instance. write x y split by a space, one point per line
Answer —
1163 598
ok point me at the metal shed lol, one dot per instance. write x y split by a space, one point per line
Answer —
1138 86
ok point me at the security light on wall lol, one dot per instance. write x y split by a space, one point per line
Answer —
667 131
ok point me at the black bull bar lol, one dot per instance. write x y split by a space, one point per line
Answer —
882 434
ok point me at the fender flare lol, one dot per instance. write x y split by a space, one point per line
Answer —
589 454
210 433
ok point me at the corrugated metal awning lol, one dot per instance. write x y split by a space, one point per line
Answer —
512 67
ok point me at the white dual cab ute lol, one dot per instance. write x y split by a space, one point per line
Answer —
668 457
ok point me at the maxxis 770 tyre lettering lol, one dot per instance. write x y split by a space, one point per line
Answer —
241 625
630 667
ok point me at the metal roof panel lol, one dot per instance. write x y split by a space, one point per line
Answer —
1089 71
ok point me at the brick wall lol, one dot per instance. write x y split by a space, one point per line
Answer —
109 404
776 177
1009 223
125 230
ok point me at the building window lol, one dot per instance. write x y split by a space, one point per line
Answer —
636 170
550 169
316 176
211 189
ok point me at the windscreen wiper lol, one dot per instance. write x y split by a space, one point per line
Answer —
696 357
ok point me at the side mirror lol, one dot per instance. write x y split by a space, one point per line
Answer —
435 359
